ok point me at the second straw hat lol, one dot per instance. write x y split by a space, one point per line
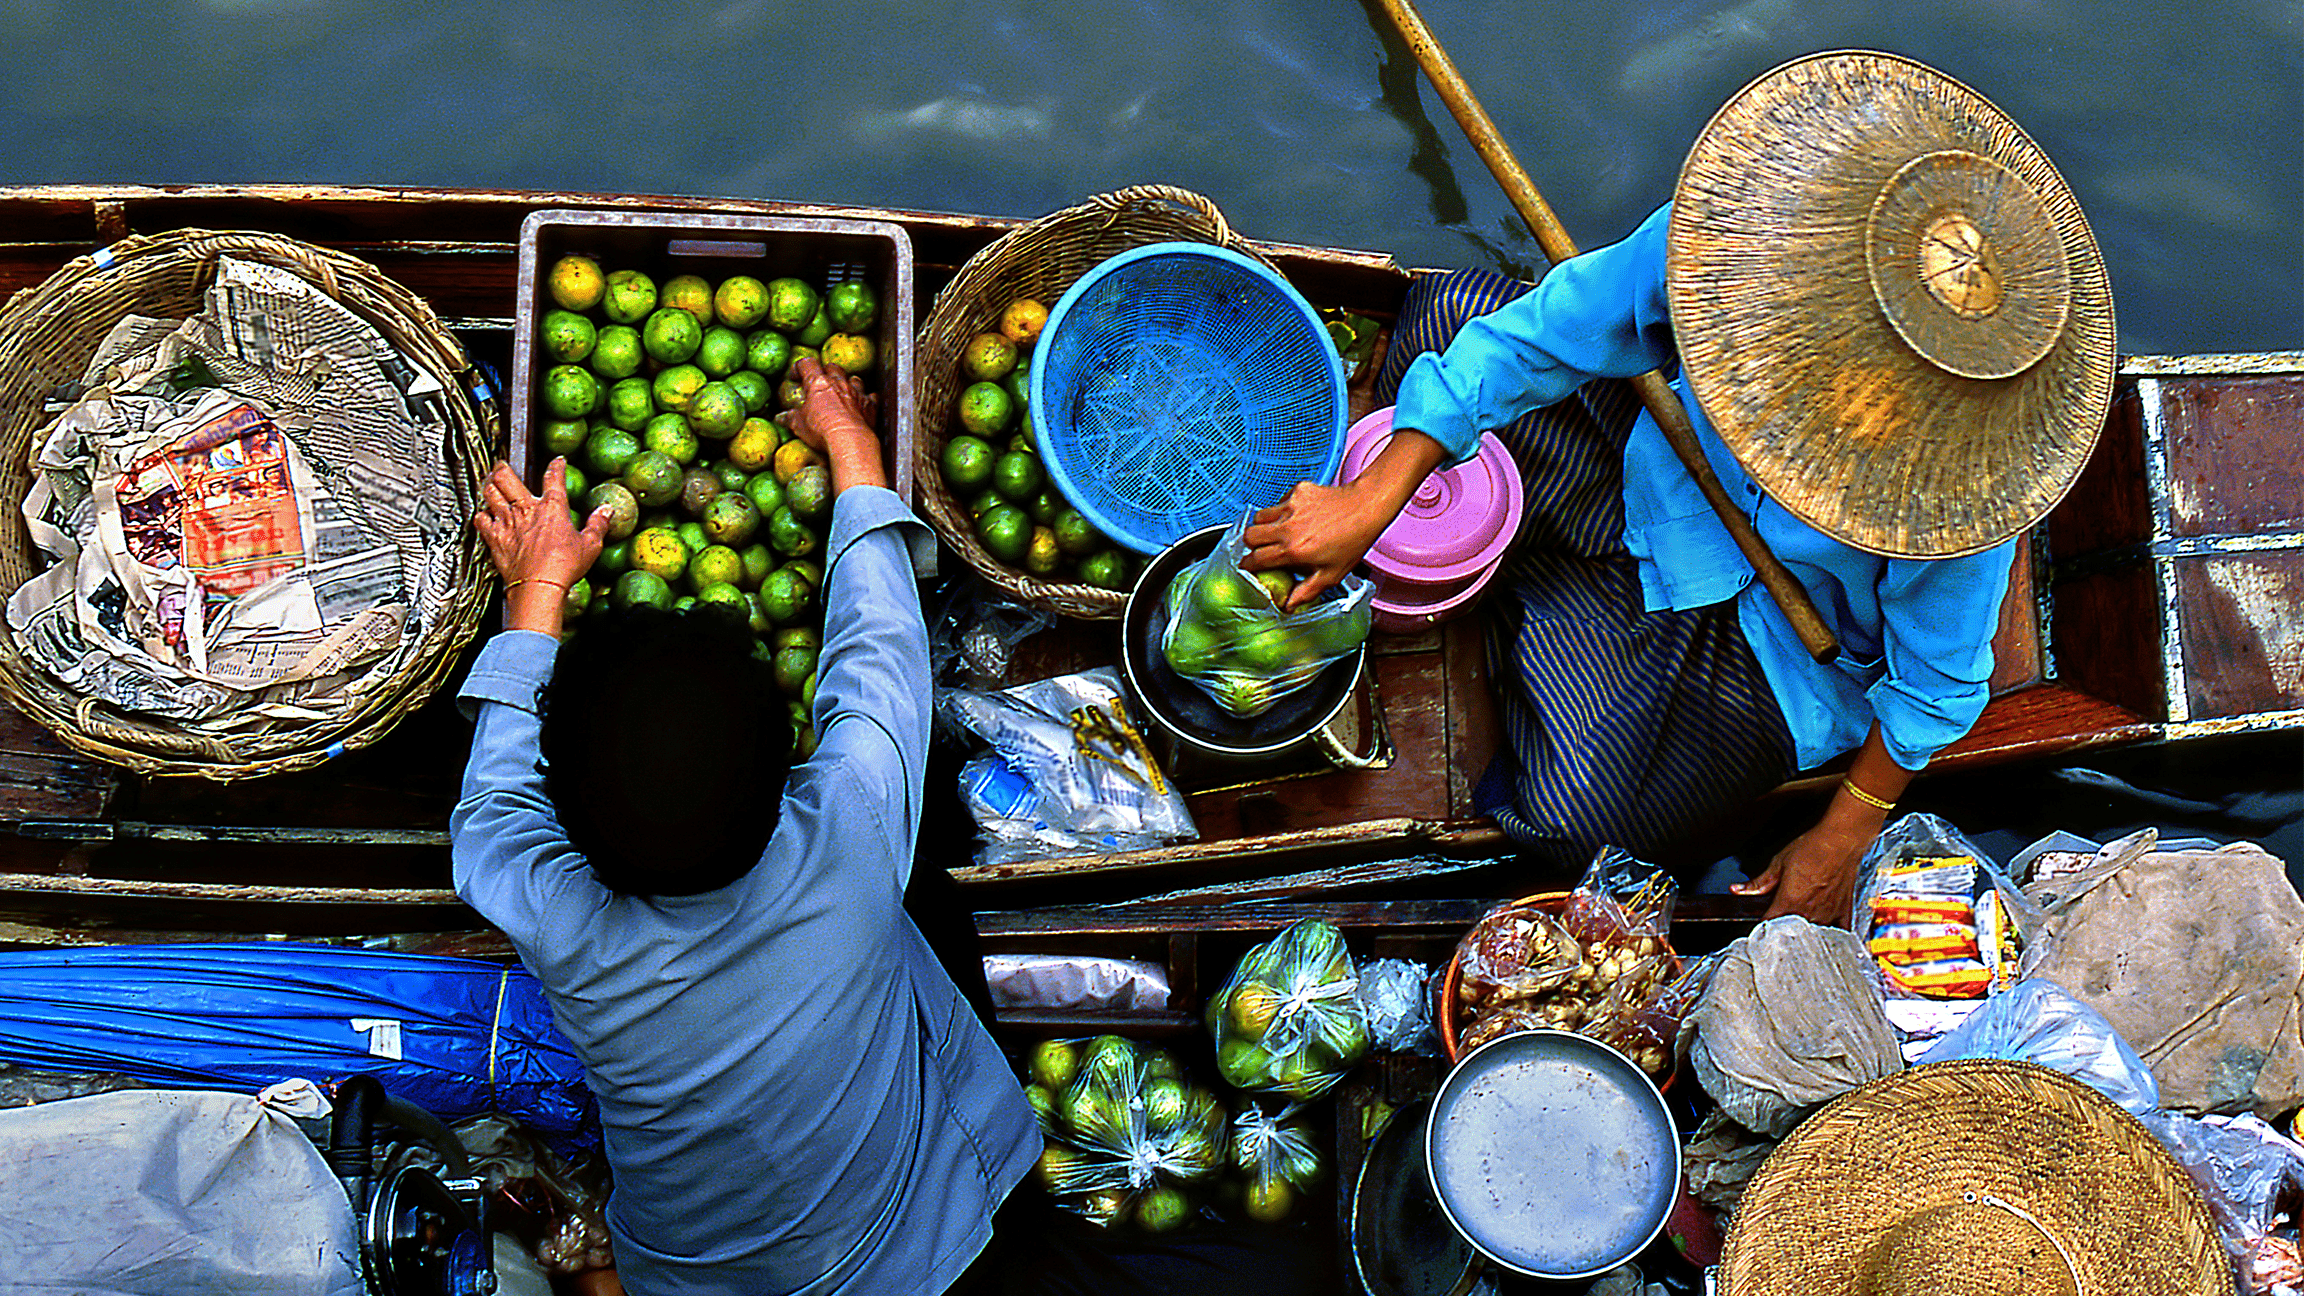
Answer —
1889 305
1973 1178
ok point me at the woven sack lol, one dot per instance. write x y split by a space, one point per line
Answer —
1039 260
47 335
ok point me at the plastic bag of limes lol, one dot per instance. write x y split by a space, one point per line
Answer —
1225 631
1273 1154
1126 1132
1289 1020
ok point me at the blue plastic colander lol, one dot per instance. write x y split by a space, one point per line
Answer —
1179 384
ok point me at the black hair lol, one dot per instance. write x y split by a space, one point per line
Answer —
665 746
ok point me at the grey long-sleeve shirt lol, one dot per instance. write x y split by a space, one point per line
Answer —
794 1096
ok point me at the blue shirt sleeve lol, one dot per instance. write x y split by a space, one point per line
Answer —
1602 314
1938 617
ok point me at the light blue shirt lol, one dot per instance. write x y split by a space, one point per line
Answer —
793 1094
1915 634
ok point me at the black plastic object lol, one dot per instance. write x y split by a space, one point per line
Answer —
1402 1243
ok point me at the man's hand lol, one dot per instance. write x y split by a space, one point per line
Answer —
1326 530
535 549
836 418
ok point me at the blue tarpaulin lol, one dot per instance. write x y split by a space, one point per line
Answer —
455 1036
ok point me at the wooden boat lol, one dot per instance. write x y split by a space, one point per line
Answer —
2164 599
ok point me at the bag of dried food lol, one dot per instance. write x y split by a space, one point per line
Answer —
1126 1132
1225 632
1940 920
1288 1020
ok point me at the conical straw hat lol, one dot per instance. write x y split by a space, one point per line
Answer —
1973 1178
1889 305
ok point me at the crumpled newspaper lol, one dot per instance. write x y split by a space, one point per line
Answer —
1788 1022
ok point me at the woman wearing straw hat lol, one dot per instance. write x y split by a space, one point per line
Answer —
1894 339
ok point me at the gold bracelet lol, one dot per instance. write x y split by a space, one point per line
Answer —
534 580
1866 797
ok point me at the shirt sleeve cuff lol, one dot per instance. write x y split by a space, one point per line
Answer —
861 510
511 668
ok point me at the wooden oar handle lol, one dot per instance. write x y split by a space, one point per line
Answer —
1663 405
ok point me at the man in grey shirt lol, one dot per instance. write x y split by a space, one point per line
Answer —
794 1096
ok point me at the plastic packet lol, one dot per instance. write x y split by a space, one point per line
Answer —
1288 1020
1224 632
1940 920
1276 1158
2252 1178
1597 968
1126 1133
2036 1021
1068 771
1397 1005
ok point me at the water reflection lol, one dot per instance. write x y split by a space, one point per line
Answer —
2174 124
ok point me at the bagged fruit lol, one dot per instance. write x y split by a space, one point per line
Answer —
1126 1131
1276 1159
1289 1020
1225 632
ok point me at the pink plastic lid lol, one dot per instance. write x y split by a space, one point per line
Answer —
1459 521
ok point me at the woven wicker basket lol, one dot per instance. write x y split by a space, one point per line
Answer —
48 333
1038 260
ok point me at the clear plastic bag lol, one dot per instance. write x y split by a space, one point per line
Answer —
1940 919
1275 1157
1225 631
1069 772
2252 1177
1288 1020
1127 1132
1396 1001
1597 966
2036 1021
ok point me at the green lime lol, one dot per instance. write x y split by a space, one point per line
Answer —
570 392
721 352
1076 535
716 411
661 552
630 296
623 507
1019 385
730 519
1224 593
803 636
769 352
697 487
1337 635
754 387
988 357
784 596
631 403
790 536
714 565
740 302
638 588
809 494
1041 556
851 306
1272 651
616 352
986 410
568 336
968 464
615 558
654 478
754 445
609 449
984 502
563 436
691 533
790 394
1006 532
791 304
791 457
767 493
1018 476
724 599
793 666
1104 569
671 335
577 484
850 352
670 435
575 283
1277 583
813 333
684 602
731 477
759 560
1024 440
811 569
691 294
800 353
675 387
1045 507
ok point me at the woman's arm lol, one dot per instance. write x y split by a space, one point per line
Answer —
1815 875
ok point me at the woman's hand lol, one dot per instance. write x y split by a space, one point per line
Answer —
836 418
1815 875
534 547
1326 530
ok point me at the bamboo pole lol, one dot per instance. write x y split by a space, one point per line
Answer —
1671 418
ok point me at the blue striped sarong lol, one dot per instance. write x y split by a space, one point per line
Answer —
1622 726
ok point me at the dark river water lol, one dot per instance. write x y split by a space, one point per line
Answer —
2175 124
